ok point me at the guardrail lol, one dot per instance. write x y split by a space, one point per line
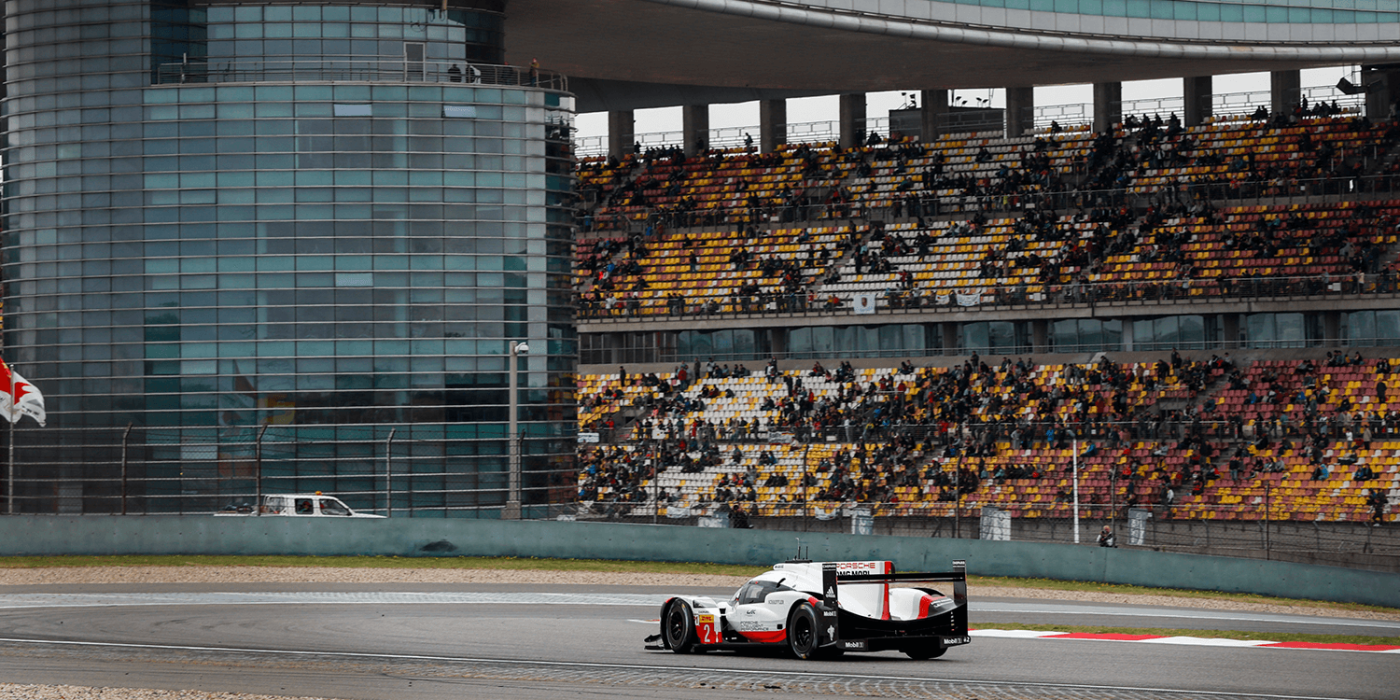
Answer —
371 70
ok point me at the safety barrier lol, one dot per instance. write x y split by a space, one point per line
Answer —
192 535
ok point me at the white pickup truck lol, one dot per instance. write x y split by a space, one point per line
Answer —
298 505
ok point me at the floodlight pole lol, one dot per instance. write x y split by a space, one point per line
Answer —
1076 490
512 509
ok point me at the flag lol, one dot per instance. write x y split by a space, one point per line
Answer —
19 398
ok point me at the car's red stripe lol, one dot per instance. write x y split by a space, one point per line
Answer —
765 637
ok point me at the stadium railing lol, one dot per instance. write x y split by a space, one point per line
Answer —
356 69
1220 194
1186 291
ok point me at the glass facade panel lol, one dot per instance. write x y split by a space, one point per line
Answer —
281 254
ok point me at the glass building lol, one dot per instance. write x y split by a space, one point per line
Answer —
291 246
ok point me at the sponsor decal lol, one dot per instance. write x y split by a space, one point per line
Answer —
753 626
854 644
830 631
706 630
861 567
950 641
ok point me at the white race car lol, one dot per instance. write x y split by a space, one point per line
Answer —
824 609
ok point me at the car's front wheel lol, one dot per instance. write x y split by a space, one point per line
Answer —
679 627
802 631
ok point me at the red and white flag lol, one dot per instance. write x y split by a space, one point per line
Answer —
19 398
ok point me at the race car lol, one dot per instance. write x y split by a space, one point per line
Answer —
817 609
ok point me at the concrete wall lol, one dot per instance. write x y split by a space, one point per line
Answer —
113 535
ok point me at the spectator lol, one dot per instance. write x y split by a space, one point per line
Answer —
1377 500
1107 538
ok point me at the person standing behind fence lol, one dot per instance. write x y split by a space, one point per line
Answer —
1107 538
1377 500
534 72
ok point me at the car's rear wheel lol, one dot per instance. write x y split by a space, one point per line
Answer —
924 652
802 631
679 627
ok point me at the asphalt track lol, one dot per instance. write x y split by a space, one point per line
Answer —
524 642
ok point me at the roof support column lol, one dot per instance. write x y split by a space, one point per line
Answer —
1020 110
622 133
933 108
1108 106
695 128
1285 90
1198 95
852 120
772 125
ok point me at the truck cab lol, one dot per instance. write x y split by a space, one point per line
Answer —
300 505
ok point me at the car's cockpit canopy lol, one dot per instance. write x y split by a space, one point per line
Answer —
757 590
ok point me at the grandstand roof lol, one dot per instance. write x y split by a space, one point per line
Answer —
622 53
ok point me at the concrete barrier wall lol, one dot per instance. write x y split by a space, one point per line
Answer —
407 537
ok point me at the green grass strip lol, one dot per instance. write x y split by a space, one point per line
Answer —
531 564
1206 634
507 563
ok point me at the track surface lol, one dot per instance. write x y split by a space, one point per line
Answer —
447 641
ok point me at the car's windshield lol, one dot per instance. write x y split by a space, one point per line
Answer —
756 591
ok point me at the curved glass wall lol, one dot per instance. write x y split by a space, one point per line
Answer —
267 277
1275 11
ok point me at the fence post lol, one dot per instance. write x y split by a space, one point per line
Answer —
125 434
957 498
1267 510
257 472
389 474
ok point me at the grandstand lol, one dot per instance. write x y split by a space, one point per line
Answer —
1191 324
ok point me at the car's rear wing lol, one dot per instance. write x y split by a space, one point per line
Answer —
832 579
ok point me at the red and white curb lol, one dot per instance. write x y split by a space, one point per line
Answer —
1185 641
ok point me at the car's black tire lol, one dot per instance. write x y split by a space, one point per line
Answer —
802 631
678 624
924 652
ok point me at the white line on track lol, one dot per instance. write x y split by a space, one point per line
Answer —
1175 613
19 601
639 667
91 600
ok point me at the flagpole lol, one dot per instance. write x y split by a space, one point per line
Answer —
10 491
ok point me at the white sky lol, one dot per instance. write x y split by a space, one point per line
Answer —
878 104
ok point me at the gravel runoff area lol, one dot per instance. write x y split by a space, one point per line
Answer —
259 574
12 691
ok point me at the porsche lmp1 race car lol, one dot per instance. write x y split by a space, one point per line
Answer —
819 609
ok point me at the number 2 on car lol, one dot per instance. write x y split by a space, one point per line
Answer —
705 629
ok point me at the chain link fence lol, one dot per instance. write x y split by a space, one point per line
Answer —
404 471
1337 538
